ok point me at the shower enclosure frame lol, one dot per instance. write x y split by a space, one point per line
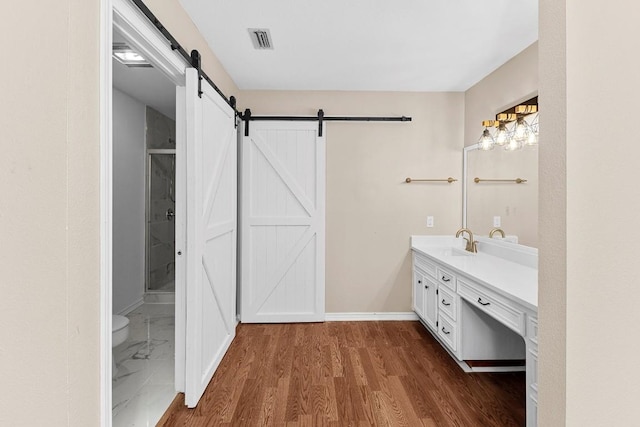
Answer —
147 234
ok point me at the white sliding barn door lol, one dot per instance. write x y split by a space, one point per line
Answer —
211 234
283 229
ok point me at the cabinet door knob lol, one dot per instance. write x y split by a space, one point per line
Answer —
445 279
483 303
445 303
426 286
445 332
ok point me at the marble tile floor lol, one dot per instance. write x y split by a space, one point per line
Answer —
160 297
170 286
144 386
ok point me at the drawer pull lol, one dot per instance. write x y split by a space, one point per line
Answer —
445 279
445 303
445 331
419 282
483 303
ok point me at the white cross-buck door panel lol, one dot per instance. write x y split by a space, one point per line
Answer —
283 223
211 234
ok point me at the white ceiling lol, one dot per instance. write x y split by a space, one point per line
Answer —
147 85
408 45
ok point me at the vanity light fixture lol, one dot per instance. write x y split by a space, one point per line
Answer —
513 131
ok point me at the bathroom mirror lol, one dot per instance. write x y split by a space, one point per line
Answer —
497 193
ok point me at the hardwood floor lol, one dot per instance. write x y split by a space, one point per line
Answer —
348 374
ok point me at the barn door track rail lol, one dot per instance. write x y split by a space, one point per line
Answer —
320 118
192 59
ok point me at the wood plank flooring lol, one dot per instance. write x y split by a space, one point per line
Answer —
348 374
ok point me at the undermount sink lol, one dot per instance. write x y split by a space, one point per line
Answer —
457 252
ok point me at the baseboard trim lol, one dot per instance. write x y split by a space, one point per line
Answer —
160 297
369 316
131 307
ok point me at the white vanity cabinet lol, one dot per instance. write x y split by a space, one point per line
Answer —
434 299
481 306
424 290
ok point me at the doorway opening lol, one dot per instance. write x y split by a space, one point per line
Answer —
198 105
144 232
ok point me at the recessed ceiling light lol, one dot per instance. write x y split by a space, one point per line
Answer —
129 57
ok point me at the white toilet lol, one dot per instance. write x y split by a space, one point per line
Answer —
120 333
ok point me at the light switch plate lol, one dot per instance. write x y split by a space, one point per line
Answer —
496 221
430 222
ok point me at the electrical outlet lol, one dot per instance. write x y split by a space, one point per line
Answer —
496 221
430 221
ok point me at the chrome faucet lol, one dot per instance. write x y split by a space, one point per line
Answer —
472 245
496 230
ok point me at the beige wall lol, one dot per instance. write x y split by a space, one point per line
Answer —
588 273
49 215
371 212
516 204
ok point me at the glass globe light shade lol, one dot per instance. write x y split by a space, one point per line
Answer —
486 142
532 138
514 144
502 135
521 131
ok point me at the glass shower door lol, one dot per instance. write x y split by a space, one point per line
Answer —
161 221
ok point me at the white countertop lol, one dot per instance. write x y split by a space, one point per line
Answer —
513 280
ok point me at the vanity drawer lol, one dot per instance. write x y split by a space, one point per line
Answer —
424 264
447 331
447 278
447 302
494 305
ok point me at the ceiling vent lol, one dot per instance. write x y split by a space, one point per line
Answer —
261 38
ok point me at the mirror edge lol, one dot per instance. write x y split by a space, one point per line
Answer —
465 153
